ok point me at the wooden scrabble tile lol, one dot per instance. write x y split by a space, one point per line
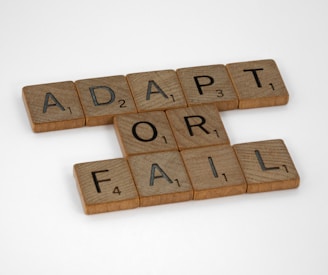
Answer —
208 84
258 84
160 178
103 98
53 106
106 185
214 171
197 126
144 133
267 166
158 90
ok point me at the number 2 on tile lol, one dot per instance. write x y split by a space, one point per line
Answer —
122 103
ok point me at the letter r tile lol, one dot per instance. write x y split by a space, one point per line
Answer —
267 166
53 106
160 178
103 98
197 126
157 90
106 185
144 133
258 83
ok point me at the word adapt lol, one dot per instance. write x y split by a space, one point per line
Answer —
173 140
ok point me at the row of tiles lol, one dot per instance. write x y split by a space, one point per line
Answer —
193 174
174 129
97 101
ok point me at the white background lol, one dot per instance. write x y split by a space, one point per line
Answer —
43 229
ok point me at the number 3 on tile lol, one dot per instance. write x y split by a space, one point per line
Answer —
117 190
219 93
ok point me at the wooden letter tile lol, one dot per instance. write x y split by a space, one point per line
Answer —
197 126
267 166
208 84
214 172
144 133
103 98
258 84
160 178
106 186
158 90
53 106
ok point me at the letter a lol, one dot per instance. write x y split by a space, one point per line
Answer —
152 83
56 102
155 166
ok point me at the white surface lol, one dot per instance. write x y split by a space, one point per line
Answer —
43 228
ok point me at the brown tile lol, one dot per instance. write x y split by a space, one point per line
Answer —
106 186
267 166
160 178
53 106
208 84
214 172
258 84
103 98
144 133
197 126
157 90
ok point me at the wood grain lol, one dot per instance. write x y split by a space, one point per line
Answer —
160 178
208 84
258 84
144 133
53 106
106 186
103 98
267 166
214 172
197 126
157 90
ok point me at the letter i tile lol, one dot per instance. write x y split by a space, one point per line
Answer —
106 185
160 178
53 106
258 83
214 171
103 98
267 166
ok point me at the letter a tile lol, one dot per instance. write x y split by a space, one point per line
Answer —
258 84
197 126
267 166
160 178
106 185
144 133
53 106
158 90
214 171
103 98
208 84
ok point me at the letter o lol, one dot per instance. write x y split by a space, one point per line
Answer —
134 131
